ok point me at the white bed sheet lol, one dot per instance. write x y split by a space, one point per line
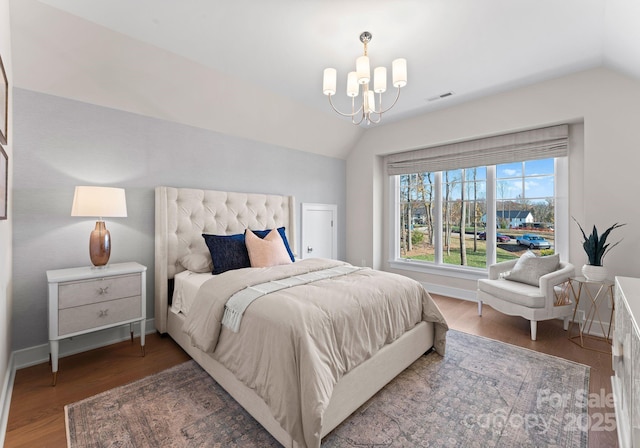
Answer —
185 288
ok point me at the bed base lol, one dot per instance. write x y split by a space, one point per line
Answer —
182 215
351 392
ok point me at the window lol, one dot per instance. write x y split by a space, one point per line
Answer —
467 217
523 205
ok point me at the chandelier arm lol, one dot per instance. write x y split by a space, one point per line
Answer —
361 109
382 111
360 120
371 120
342 113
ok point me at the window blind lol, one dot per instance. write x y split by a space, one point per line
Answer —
515 147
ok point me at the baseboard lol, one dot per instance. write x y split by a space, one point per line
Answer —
7 389
40 353
596 330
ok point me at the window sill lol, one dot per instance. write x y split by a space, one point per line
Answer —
443 270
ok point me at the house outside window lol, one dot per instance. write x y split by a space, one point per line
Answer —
511 219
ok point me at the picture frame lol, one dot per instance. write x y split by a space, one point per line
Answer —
4 183
4 104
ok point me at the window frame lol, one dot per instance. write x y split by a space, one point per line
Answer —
437 267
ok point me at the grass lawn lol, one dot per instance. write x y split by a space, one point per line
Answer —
476 259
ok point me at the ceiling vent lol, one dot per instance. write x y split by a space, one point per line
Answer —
439 97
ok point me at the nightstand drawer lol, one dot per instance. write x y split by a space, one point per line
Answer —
72 320
73 294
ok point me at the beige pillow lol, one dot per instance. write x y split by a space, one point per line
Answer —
530 268
267 251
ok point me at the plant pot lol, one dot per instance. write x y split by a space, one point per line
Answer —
595 273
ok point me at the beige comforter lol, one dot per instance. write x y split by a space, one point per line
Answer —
295 344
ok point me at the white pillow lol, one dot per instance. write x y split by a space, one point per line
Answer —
197 262
530 268
267 251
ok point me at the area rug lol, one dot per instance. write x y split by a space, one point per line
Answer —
483 393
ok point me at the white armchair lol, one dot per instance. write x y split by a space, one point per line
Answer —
547 300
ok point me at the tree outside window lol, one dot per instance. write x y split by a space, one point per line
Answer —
524 203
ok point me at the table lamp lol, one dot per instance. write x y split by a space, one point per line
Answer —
99 202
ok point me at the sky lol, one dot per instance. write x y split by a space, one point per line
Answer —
532 180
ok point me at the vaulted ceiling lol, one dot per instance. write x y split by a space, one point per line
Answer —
262 61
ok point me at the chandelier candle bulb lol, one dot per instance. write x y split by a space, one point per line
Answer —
352 85
380 79
364 72
399 72
371 102
329 81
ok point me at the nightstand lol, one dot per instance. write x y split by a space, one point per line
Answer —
87 299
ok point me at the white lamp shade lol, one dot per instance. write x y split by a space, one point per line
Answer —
352 84
399 72
363 70
380 79
99 202
329 81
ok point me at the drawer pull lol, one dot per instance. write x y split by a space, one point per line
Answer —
103 313
102 291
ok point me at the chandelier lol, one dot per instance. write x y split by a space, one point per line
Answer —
368 110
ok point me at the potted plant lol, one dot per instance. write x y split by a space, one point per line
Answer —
596 247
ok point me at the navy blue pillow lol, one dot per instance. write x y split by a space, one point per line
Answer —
227 252
263 233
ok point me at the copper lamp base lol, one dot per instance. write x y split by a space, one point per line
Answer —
100 245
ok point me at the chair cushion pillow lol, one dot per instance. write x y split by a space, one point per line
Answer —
530 268
512 292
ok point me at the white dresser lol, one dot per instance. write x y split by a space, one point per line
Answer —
87 299
626 361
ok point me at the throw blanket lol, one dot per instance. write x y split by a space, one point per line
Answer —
238 303
296 343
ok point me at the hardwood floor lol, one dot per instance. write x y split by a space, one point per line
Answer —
36 417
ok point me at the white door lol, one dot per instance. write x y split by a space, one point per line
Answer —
319 231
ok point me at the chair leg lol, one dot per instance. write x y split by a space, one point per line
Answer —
534 330
479 307
566 323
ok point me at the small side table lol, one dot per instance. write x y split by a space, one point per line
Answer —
603 292
87 299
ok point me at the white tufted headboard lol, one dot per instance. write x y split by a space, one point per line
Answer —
184 214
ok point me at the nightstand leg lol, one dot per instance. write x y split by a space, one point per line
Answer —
53 347
131 330
142 334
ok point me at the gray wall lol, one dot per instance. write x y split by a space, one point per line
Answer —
60 143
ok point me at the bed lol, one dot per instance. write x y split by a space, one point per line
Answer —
182 215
